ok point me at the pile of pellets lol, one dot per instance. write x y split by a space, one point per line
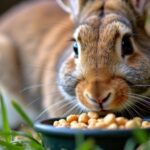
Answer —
92 120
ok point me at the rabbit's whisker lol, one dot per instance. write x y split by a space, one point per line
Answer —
39 98
130 112
45 110
79 111
65 105
54 105
141 85
133 110
136 108
33 86
71 110
129 108
143 98
142 102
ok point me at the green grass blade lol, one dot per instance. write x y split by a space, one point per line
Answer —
32 146
23 115
141 136
130 144
26 135
25 142
79 139
4 120
89 144
9 146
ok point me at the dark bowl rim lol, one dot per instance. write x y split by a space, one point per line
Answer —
49 129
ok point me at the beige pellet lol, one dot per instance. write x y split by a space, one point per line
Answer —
65 124
100 120
91 125
71 118
93 115
145 124
121 121
56 123
100 125
73 122
113 126
62 120
110 118
82 125
91 120
138 121
122 127
76 126
131 124
83 118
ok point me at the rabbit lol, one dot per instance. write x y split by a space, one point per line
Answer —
27 34
75 56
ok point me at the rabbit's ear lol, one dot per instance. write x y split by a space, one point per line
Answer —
139 5
72 6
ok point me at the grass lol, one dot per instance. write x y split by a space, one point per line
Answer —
16 140
22 114
5 123
13 140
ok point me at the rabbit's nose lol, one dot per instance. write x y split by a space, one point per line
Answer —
99 100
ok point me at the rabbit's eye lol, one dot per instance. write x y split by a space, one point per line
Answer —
126 45
75 48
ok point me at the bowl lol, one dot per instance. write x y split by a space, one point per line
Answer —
65 138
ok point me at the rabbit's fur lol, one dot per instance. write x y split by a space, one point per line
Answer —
36 48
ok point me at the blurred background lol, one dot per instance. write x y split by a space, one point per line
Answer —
6 4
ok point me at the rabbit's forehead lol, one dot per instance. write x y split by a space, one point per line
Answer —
97 40
101 35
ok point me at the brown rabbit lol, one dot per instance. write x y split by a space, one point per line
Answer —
99 61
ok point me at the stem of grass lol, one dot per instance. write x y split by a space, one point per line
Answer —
5 123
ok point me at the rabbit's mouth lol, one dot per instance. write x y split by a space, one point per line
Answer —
103 97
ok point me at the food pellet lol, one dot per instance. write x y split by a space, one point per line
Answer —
131 124
91 126
56 123
93 115
145 124
112 126
83 118
121 121
92 120
72 118
110 118
100 125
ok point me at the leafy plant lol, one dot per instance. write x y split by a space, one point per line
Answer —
4 119
22 114
142 138
82 144
13 140
88 145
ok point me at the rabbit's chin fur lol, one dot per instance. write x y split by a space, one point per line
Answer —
107 70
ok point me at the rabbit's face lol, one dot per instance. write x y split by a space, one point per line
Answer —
107 62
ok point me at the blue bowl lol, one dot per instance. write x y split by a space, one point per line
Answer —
65 138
